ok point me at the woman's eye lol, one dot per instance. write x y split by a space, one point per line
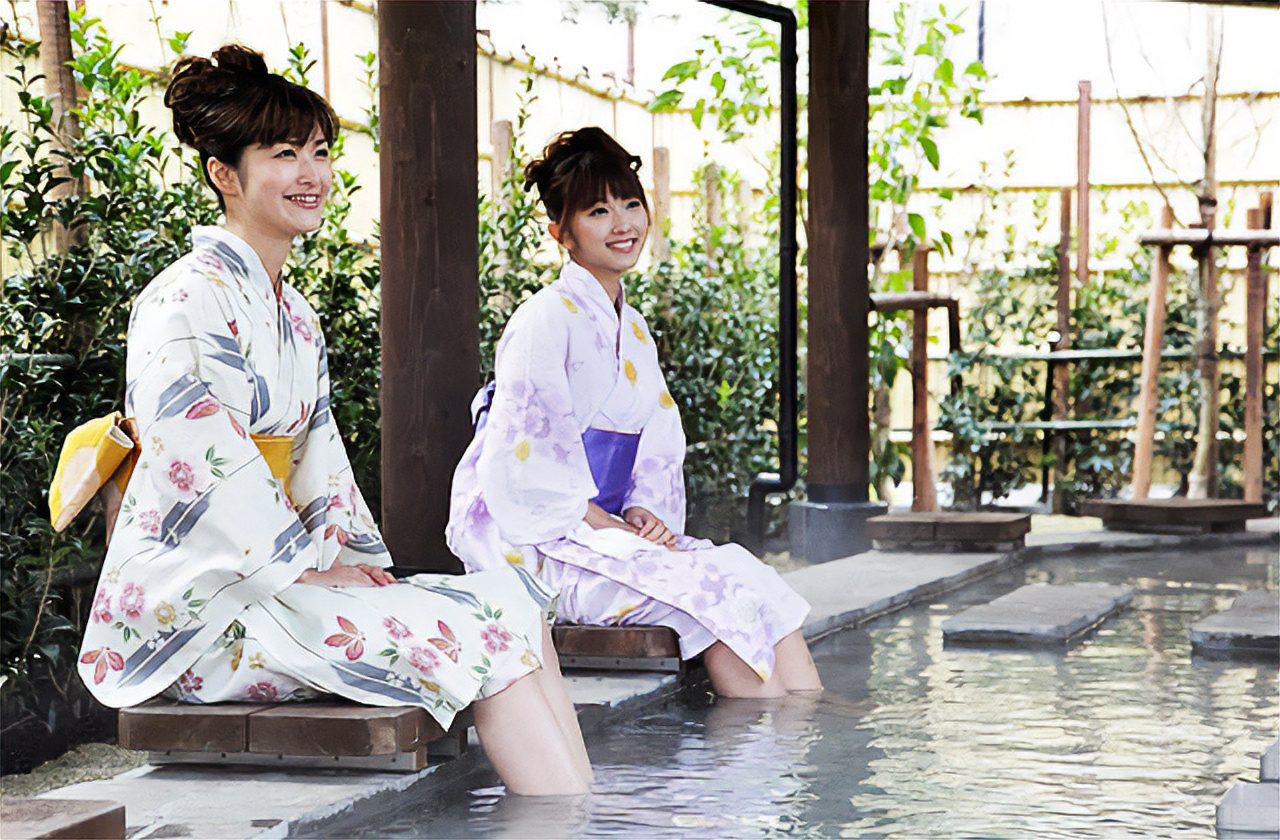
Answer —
633 204
599 211
322 153
285 153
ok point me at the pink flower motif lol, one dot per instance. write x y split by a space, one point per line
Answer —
182 476
300 327
396 629
335 501
424 659
180 295
131 601
189 683
102 659
203 407
149 521
235 331
102 607
263 692
350 636
495 638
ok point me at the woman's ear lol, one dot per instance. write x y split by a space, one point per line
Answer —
224 177
556 230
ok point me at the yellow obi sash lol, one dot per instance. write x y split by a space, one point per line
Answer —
100 456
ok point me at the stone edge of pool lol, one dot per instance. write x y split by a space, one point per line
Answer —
175 801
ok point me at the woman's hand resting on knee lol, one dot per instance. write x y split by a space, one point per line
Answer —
649 527
341 574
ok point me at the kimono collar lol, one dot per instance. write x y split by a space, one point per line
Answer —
239 255
584 285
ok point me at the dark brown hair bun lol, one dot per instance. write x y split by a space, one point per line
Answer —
222 106
580 168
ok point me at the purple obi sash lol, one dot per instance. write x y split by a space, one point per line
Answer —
611 456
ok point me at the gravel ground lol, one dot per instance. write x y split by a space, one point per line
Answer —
85 763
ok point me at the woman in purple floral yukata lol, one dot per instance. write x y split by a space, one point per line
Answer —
233 575
576 469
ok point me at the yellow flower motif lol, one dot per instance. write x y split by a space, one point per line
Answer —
113 576
522 450
569 305
513 557
630 370
635 328
165 613
236 652
664 400
529 660
257 661
429 686
625 611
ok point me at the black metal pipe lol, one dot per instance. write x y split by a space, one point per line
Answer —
788 397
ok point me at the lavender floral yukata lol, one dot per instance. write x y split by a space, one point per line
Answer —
197 597
569 372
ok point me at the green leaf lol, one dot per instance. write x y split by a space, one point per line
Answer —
666 101
916 221
930 150
683 71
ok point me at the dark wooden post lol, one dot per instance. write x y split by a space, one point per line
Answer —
60 89
430 297
1254 377
1061 371
1153 340
839 427
830 523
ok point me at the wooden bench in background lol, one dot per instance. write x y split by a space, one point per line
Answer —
1175 516
979 531
617 648
326 734
90 819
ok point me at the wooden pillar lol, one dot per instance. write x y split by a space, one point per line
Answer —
430 297
924 495
746 203
60 89
839 298
1082 182
659 245
1203 482
711 194
502 138
1254 371
1144 436
1061 371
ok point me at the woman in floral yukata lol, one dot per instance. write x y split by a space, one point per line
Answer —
576 469
229 578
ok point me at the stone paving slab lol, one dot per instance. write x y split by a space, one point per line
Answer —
1252 623
1269 764
85 819
1039 613
1250 809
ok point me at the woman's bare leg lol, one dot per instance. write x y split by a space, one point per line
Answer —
793 664
731 677
526 744
551 683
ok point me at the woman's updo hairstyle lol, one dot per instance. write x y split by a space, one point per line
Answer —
221 107
578 169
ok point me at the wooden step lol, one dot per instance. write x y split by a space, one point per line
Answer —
324 734
617 648
949 529
1175 516
93 819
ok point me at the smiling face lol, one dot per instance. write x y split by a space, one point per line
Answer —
277 190
606 237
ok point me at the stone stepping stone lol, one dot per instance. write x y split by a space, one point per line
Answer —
332 734
1175 516
1250 809
86 818
1269 764
1250 625
979 531
1038 614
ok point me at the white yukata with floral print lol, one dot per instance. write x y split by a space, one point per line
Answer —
198 596
568 362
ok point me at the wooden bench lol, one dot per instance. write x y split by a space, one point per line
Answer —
1175 516
950 530
92 819
617 648
323 734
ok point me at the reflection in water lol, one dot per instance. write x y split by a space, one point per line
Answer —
1125 732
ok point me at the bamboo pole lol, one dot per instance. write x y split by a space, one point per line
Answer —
924 496
1144 436
1082 182
660 247
1061 371
501 138
1254 381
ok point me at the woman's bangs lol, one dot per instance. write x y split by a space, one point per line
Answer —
289 115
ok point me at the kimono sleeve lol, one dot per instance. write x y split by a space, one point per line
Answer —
331 506
657 480
533 470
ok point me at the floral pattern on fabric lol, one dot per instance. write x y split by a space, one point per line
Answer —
208 545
